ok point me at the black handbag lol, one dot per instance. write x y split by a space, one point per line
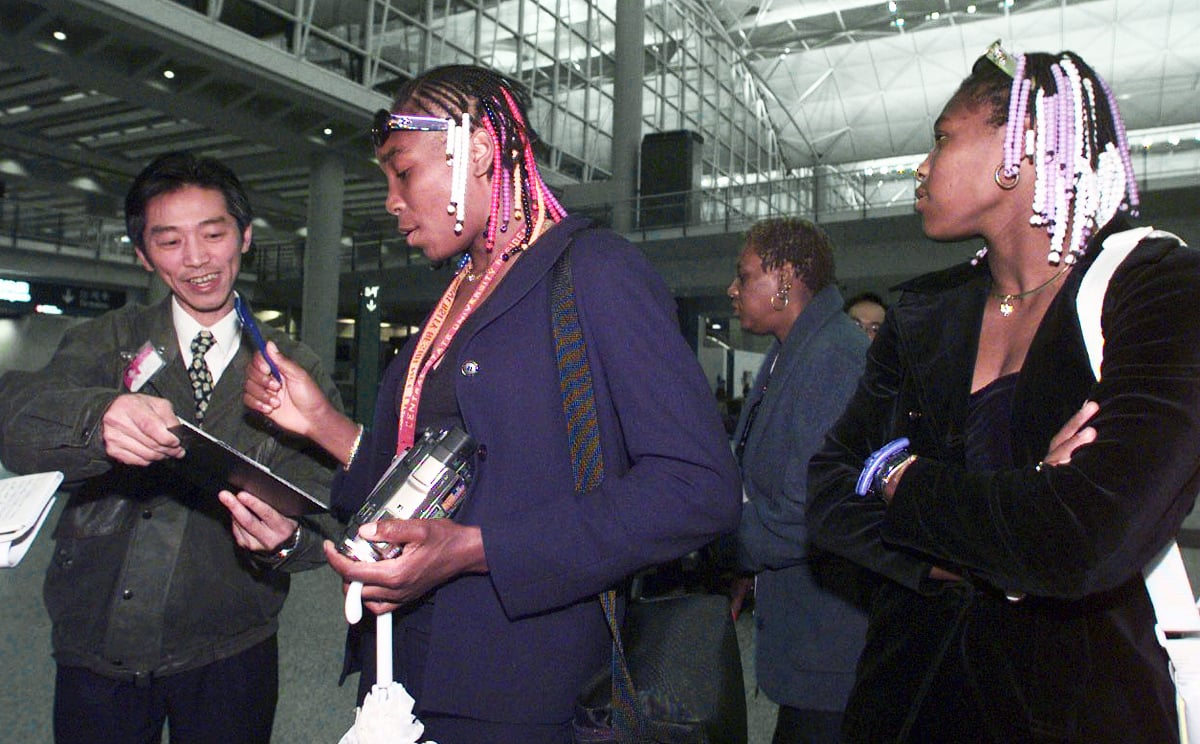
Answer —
676 673
682 653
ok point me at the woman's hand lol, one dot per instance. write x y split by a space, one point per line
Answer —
1073 435
295 403
256 525
435 551
739 589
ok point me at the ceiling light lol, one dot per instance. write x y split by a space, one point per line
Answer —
328 131
169 74
971 10
59 36
12 167
891 6
86 183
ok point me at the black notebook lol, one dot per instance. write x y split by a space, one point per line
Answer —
208 459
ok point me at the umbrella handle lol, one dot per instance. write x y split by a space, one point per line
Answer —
383 633
383 649
354 606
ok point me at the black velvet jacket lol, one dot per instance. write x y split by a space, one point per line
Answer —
1076 658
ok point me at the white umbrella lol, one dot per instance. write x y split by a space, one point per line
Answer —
386 715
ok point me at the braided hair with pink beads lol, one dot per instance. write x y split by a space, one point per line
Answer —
481 97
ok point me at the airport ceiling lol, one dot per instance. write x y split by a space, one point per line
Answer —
847 81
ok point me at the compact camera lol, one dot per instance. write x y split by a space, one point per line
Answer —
427 482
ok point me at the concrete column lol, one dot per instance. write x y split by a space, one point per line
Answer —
627 109
322 258
367 352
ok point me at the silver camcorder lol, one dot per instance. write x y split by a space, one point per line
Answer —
426 482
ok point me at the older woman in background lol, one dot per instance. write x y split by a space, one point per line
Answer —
809 605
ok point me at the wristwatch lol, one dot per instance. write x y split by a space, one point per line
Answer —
281 554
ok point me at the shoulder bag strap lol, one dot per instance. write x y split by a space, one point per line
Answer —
1177 619
587 465
1166 579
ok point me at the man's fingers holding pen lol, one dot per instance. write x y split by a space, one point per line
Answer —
136 430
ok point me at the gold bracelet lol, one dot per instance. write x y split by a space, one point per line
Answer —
354 448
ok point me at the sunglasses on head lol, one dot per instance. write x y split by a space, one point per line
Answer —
386 122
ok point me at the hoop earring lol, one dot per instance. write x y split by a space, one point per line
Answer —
1005 181
781 296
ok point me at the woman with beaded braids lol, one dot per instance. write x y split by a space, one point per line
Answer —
1011 499
498 625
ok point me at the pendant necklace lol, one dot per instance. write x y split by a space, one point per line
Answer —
1006 299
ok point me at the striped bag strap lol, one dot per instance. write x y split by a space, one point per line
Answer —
587 464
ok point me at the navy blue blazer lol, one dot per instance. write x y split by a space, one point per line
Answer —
519 643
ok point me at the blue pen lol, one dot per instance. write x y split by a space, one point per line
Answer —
255 335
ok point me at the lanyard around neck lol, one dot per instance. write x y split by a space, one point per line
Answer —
427 357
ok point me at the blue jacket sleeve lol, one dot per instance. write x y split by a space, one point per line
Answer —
670 484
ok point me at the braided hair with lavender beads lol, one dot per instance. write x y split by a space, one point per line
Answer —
1061 116
498 104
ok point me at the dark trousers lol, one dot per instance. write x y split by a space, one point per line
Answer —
801 726
231 701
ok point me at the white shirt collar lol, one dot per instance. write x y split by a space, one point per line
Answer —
227 335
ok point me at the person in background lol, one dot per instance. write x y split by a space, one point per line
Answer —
810 606
1011 500
497 622
158 616
867 309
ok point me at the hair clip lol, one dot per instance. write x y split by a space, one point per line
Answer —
1001 58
